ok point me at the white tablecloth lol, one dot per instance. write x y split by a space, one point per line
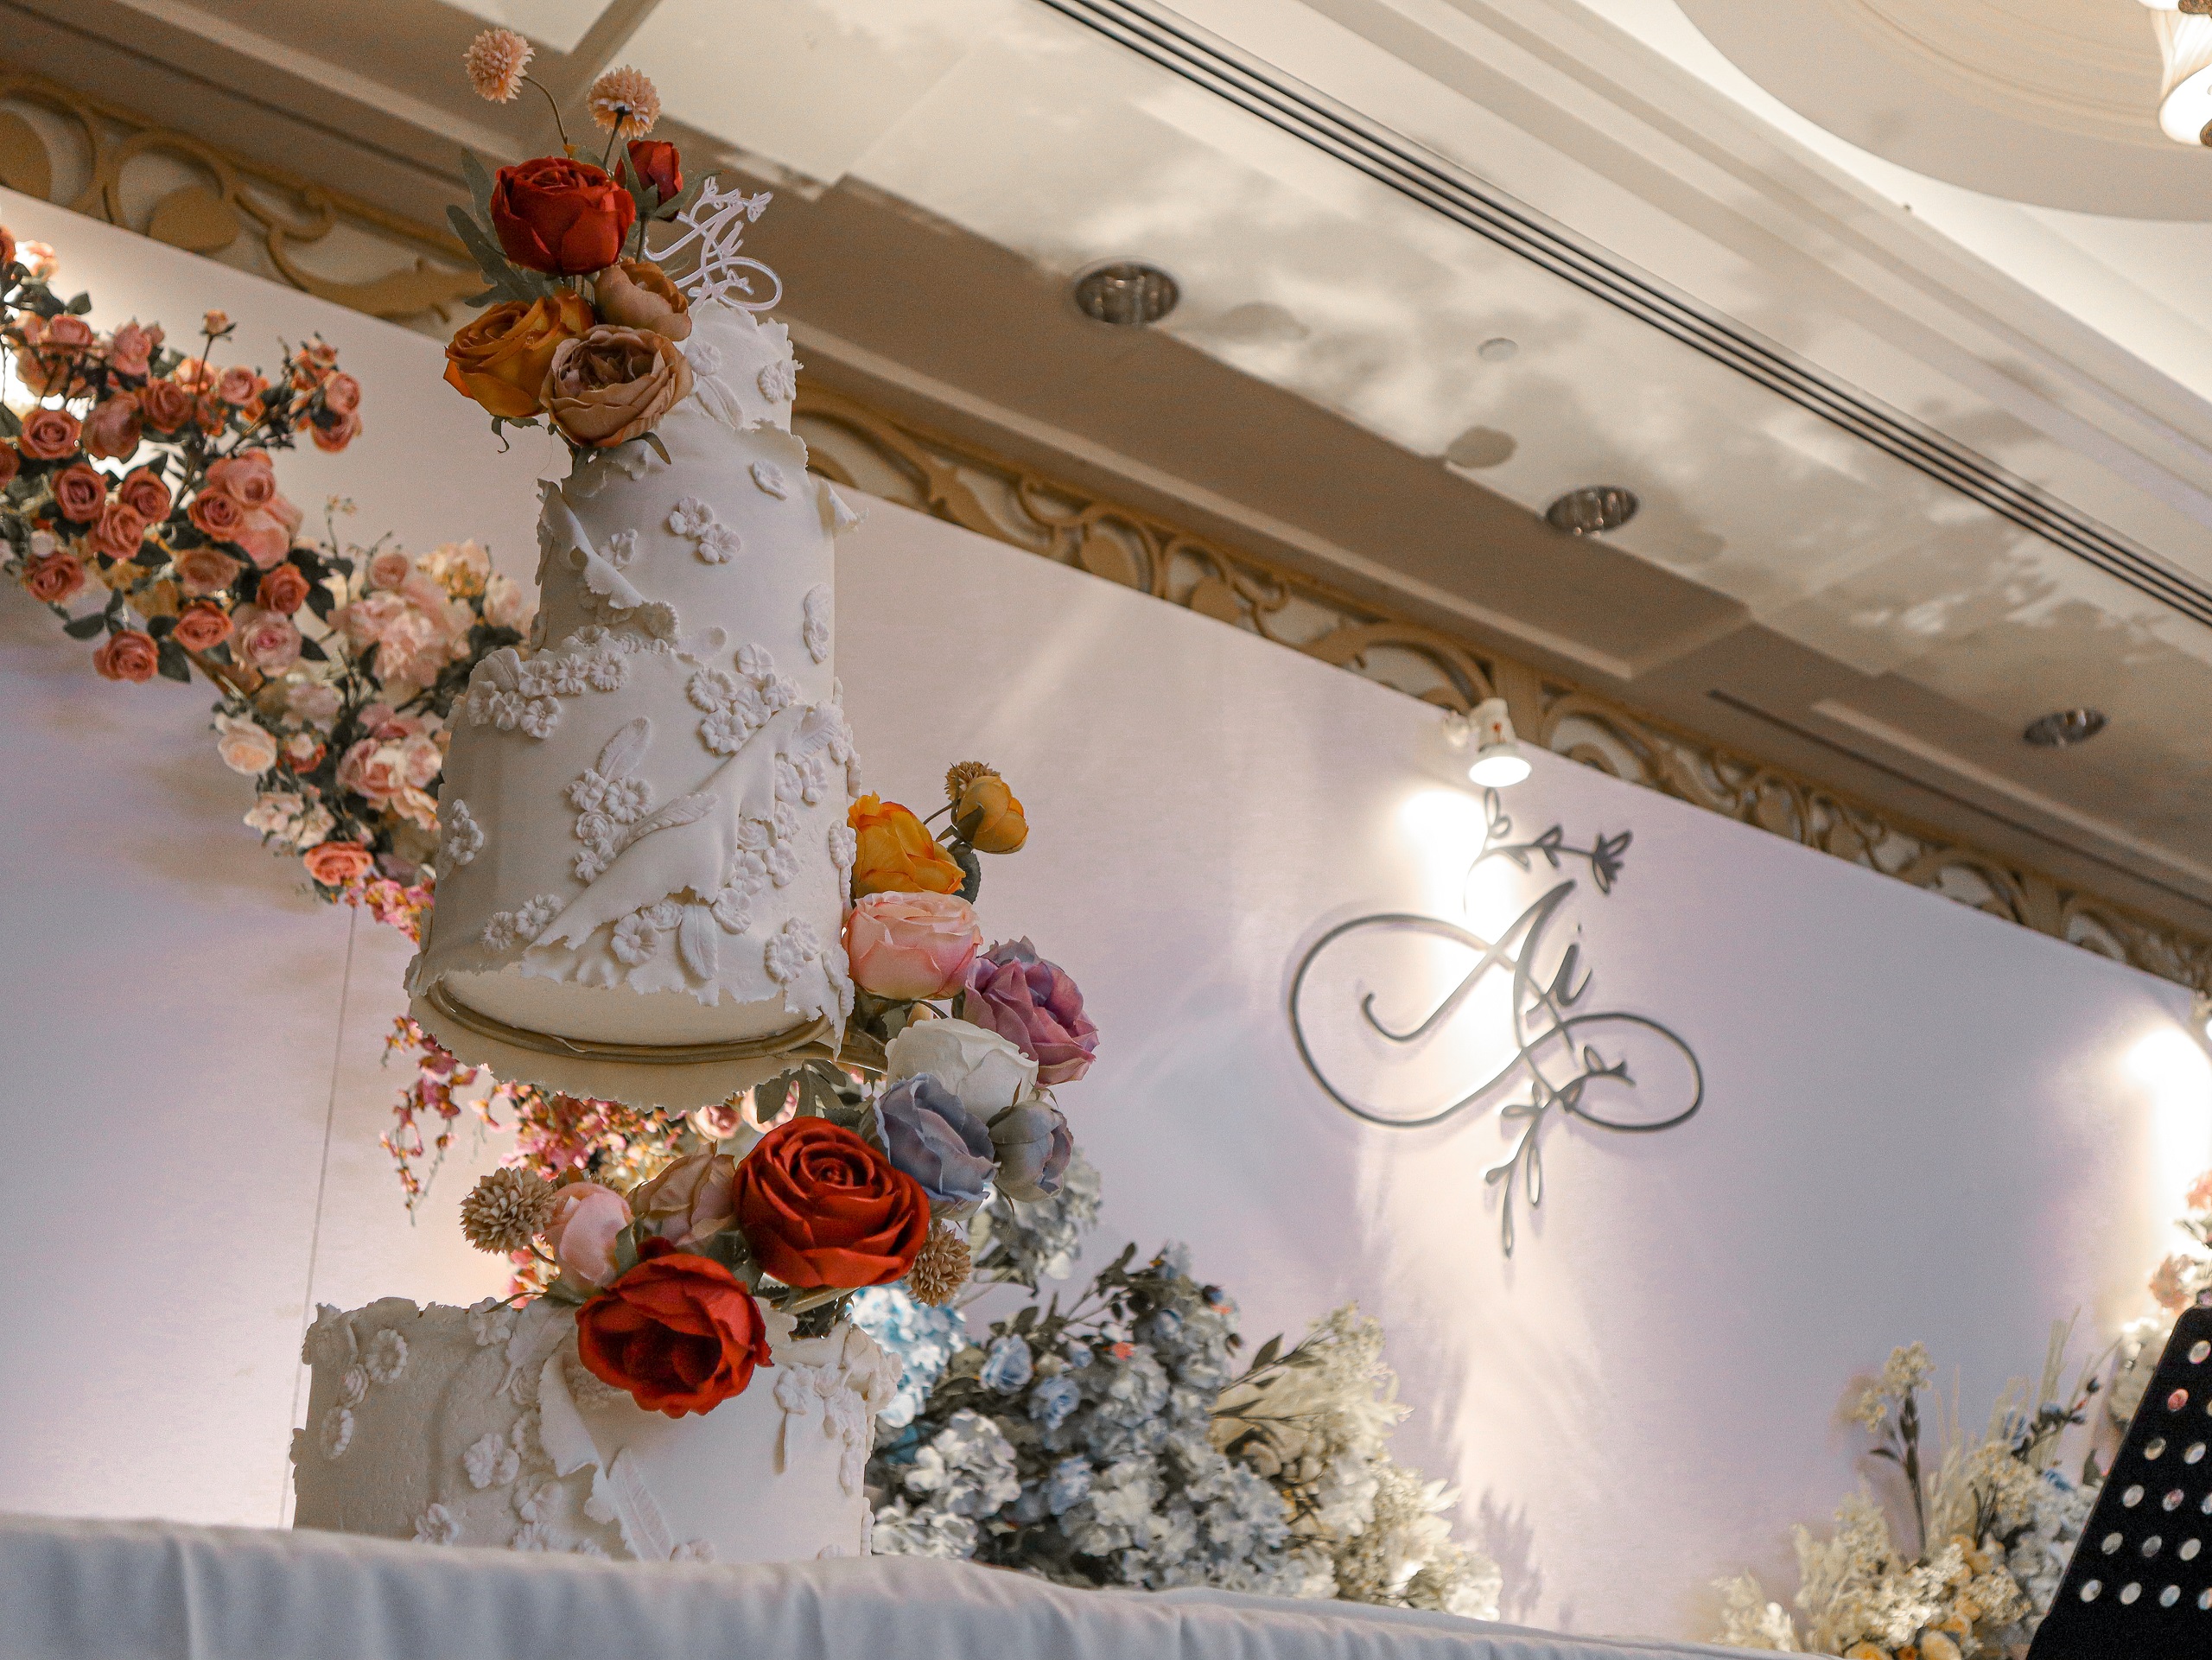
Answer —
74 1590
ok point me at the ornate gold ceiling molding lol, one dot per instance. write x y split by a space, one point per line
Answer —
861 447
102 160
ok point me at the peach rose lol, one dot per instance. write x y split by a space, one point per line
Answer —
283 588
54 577
341 394
249 477
336 863
144 492
507 603
207 570
265 538
303 753
245 745
54 353
239 387
114 428
389 569
196 375
612 385
314 701
130 349
165 406
269 641
500 357
334 435
911 945
217 513
581 1234
79 492
637 294
117 531
377 771
130 656
689 1202
202 627
48 435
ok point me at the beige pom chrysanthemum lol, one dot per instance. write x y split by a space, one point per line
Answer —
941 1267
958 779
624 103
496 61
507 1211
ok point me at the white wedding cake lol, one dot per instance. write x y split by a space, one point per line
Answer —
480 1427
644 851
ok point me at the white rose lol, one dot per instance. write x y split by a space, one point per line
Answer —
245 745
505 602
313 702
987 1072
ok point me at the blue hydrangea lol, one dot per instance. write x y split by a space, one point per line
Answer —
1007 1366
924 1339
1052 1399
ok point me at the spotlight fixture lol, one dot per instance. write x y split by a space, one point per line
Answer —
1596 507
1127 293
1498 760
2063 727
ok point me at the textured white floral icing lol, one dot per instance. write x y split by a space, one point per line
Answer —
493 1433
639 843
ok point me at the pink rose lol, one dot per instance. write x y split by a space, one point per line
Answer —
239 386
586 1219
420 760
284 513
911 945
377 771
690 1199
264 537
1033 1005
130 349
117 531
334 434
506 603
249 478
114 428
389 568
267 639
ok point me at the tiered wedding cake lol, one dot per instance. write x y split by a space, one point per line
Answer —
643 846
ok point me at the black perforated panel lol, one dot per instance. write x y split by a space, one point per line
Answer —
2139 1586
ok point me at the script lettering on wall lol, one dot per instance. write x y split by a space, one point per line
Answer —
1440 1020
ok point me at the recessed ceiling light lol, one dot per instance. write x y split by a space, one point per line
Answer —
1127 293
2063 727
1480 447
1497 351
1594 508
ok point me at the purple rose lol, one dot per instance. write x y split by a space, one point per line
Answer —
1033 1005
928 1135
1033 1144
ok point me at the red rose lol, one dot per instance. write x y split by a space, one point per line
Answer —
658 164
336 863
284 589
144 492
119 531
10 462
821 1207
334 436
54 577
128 656
79 492
678 1331
114 428
202 627
166 406
48 433
217 514
564 218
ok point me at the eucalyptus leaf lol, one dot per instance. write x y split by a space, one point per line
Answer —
312 652
170 660
479 181
85 626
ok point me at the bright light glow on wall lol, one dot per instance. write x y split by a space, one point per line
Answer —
2177 1075
1445 829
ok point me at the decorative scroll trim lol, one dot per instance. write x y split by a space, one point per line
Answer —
852 444
230 208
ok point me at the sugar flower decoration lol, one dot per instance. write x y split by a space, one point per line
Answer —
625 103
496 61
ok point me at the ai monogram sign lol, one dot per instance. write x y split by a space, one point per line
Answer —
1441 1020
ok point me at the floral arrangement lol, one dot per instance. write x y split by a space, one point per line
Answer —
1994 1520
914 1161
1115 1442
578 327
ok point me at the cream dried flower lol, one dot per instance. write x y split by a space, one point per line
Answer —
625 103
941 1267
496 61
507 1211
958 779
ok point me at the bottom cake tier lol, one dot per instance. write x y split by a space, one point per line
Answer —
480 1427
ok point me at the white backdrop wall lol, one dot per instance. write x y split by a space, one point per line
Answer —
1920 1123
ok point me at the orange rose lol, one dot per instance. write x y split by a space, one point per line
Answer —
165 406
79 492
117 533
54 577
336 863
334 434
218 513
341 394
207 570
202 627
113 430
48 435
285 589
500 358
988 817
144 492
897 853
130 656
611 385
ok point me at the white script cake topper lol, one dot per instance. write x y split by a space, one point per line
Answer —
1551 1046
718 221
